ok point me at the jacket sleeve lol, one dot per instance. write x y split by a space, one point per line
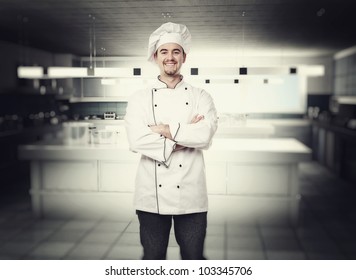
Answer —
140 137
199 135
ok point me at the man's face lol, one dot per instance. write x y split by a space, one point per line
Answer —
169 58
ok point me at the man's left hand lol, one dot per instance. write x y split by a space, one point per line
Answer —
162 129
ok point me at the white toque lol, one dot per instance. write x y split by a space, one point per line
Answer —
169 33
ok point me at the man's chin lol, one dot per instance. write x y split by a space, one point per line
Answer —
170 73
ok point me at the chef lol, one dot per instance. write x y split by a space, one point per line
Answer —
170 124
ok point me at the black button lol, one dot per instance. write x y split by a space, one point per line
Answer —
155 89
155 105
186 88
186 103
180 165
160 185
159 164
177 187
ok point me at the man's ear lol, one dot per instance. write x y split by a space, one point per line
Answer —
184 56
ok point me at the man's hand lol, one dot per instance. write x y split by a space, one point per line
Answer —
197 119
179 147
162 129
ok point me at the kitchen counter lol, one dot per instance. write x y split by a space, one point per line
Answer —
342 130
253 180
246 149
250 129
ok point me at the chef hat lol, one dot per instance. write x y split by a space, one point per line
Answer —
169 33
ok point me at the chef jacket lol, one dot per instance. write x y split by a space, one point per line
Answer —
167 181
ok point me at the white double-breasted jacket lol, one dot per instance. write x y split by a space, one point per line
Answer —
167 181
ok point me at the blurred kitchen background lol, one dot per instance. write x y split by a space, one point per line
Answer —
276 70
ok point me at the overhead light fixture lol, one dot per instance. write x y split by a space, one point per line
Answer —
67 72
30 72
167 15
311 70
113 72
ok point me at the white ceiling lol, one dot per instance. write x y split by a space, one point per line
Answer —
223 27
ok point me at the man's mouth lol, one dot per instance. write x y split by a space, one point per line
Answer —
170 63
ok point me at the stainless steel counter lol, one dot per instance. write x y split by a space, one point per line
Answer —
245 149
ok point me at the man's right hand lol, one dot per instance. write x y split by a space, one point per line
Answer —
197 119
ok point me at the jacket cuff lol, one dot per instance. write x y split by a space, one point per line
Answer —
169 146
174 129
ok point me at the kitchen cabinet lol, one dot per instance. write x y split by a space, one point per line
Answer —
299 129
330 150
261 180
249 180
216 177
69 175
335 147
345 70
257 179
11 169
117 176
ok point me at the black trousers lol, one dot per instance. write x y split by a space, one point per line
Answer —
189 229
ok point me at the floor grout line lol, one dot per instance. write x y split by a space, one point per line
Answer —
115 241
80 239
260 235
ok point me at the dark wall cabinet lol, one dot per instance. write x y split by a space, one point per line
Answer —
335 148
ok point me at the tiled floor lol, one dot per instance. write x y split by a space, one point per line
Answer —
327 230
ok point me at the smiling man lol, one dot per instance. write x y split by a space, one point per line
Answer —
170 58
169 124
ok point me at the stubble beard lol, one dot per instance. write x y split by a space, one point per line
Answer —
171 72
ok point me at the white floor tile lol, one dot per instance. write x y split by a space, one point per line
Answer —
79 225
243 254
67 236
101 237
214 254
215 242
286 255
125 252
244 243
173 253
51 250
129 238
110 226
88 251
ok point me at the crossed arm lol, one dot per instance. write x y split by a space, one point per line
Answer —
163 129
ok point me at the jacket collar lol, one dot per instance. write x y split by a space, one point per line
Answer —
160 84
